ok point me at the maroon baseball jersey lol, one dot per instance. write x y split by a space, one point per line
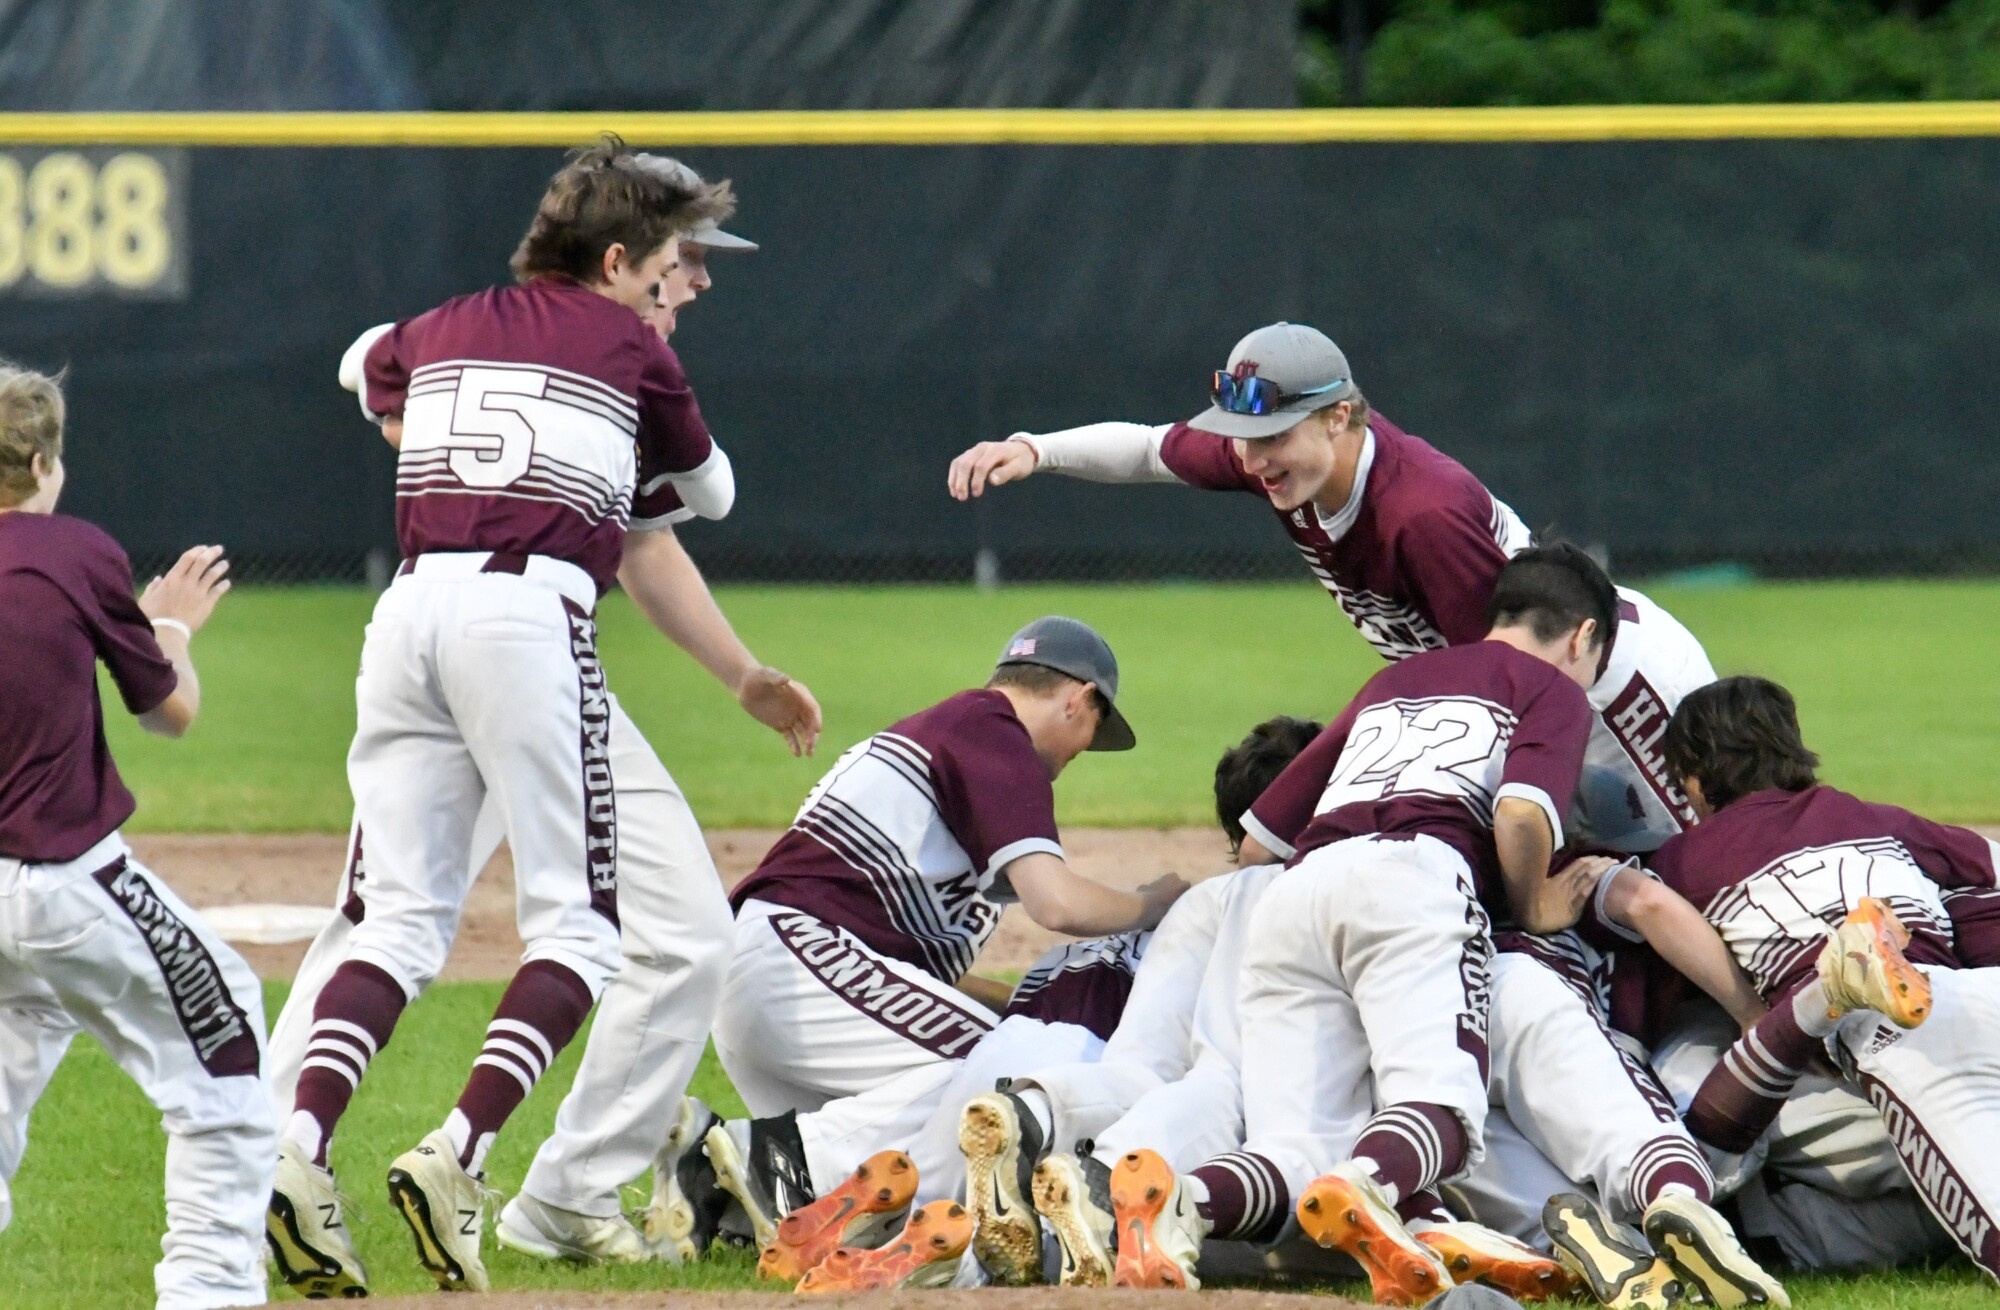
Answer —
66 592
1085 983
1413 555
1429 746
537 420
1775 870
900 842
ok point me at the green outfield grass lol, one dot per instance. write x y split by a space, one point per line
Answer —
88 1210
1889 677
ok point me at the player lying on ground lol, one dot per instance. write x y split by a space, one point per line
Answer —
534 421
90 940
653 1020
854 927
1778 863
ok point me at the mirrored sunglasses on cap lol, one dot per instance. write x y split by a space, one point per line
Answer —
1255 395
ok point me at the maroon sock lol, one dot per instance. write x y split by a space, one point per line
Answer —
352 1020
1247 1198
1743 1094
541 1011
1426 1205
1413 1145
1665 1160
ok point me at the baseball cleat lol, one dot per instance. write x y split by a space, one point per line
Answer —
686 1210
1475 1253
306 1229
762 1164
1347 1209
1862 967
864 1211
552 1233
1704 1252
1158 1230
925 1254
1074 1196
445 1208
1617 1268
1000 1140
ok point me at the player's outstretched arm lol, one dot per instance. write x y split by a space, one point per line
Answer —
179 603
668 588
1525 842
1099 452
1063 900
1683 938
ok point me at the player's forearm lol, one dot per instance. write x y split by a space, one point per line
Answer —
1064 901
663 581
1684 939
1102 452
176 714
1525 844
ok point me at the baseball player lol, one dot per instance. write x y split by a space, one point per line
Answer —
1364 995
1821 896
853 929
533 422
89 939
653 1020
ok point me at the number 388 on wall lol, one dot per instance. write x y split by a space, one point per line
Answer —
91 222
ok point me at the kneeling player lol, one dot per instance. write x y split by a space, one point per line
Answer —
1820 894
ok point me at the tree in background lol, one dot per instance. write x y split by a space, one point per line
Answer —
1546 52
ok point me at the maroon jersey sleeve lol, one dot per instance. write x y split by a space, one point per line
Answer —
1953 858
1202 459
121 632
385 373
1449 560
672 436
1284 809
993 793
1545 754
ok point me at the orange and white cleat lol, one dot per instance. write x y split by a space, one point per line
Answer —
1159 1231
1475 1253
1348 1209
862 1212
925 1254
1863 968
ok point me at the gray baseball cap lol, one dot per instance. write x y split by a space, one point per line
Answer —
1074 648
1305 366
706 233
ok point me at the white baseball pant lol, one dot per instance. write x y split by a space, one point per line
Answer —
98 944
1365 984
653 1020
1937 1089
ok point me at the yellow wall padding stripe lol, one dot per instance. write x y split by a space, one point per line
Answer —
1014 126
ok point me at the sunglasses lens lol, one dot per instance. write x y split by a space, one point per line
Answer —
1243 396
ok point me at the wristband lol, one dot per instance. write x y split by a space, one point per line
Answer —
187 633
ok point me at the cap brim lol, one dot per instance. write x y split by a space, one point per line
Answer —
1251 427
1113 734
716 239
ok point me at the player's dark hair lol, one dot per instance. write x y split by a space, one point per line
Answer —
606 196
1248 767
1040 680
1551 589
31 424
1738 736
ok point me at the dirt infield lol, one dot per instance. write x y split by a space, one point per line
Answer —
988 1298
303 869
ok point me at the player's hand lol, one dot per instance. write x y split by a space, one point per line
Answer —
1160 895
989 464
1576 882
188 591
783 705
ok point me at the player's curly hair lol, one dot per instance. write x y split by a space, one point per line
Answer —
1737 736
31 424
604 196
1248 767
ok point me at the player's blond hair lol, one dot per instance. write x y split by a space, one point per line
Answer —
31 424
604 196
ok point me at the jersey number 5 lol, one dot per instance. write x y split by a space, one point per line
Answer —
491 442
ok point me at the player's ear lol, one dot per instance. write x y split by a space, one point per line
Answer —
614 259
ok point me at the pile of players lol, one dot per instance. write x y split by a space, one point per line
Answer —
1546 946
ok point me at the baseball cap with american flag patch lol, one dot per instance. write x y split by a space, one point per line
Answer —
1074 649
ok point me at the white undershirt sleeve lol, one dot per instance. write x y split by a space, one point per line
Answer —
709 488
351 364
1102 452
